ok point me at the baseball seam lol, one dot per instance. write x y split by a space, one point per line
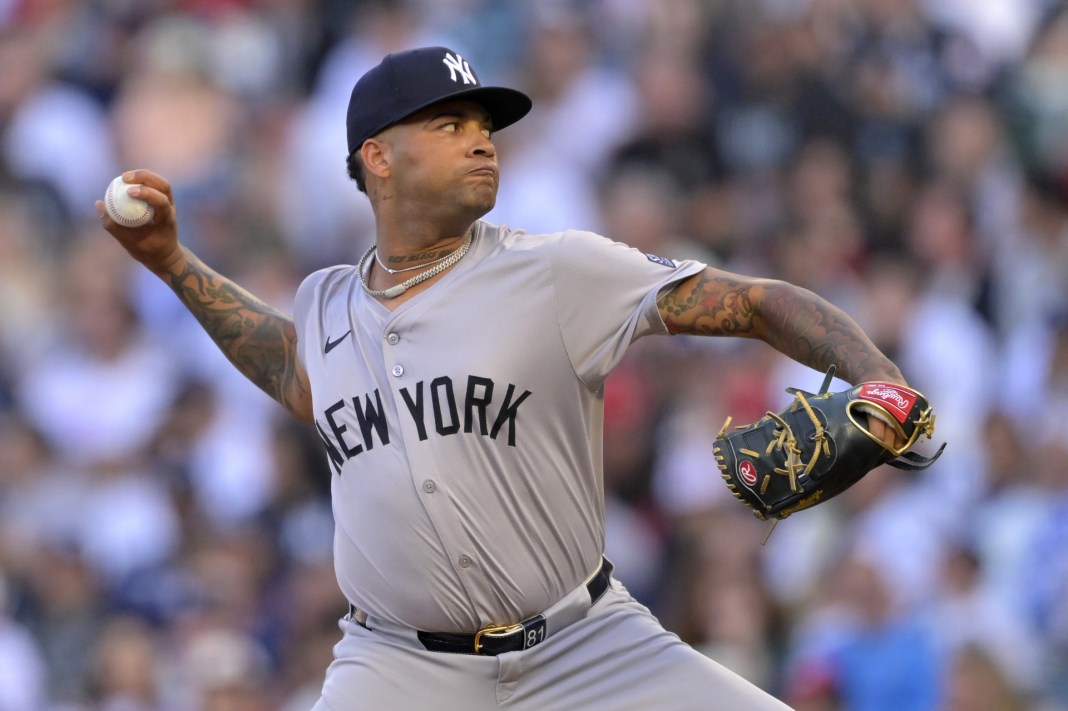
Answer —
136 221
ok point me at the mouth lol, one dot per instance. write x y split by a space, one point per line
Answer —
485 171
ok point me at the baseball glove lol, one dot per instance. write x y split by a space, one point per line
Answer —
819 446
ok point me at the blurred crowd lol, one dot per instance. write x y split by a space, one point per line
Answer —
165 530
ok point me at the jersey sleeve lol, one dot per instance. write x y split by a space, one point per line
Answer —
606 298
307 311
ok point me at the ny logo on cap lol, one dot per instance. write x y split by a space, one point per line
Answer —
456 63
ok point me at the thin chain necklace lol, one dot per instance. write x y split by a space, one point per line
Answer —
410 269
398 289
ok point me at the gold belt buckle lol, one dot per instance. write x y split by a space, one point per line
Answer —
494 631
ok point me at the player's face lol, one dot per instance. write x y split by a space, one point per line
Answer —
444 155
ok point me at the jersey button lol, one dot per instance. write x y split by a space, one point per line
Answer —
398 370
429 486
465 561
392 339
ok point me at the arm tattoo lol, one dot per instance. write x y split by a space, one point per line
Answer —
257 338
709 305
793 320
815 332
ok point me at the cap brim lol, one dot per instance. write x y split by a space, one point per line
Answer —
505 106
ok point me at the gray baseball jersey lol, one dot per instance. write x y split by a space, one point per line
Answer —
464 428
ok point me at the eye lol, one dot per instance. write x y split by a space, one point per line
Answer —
487 132
451 127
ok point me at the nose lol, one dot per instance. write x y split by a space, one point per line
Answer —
483 145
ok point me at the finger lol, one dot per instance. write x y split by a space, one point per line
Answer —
153 180
879 430
884 432
105 219
158 199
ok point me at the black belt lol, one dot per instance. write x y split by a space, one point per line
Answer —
497 639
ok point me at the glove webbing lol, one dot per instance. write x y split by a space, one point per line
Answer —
787 440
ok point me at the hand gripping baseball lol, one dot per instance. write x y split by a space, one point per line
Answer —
151 240
125 209
820 445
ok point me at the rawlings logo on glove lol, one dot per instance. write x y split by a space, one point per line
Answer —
820 445
890 396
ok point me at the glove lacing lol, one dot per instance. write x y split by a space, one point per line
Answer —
786 440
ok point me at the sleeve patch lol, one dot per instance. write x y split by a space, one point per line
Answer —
661 260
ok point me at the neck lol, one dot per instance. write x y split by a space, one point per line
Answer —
422 276
409 243
409 224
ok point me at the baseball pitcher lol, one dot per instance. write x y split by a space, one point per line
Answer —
455 376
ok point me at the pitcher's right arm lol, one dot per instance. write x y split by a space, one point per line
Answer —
257 338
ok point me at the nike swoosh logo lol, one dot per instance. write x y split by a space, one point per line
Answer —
330 345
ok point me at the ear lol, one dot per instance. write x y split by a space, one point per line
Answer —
375 155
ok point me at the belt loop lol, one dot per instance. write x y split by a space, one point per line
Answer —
601 580
358 616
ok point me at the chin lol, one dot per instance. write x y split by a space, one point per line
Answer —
483 202
470 203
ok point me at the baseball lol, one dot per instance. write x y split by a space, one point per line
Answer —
127 211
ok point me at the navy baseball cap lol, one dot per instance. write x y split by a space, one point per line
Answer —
406 82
